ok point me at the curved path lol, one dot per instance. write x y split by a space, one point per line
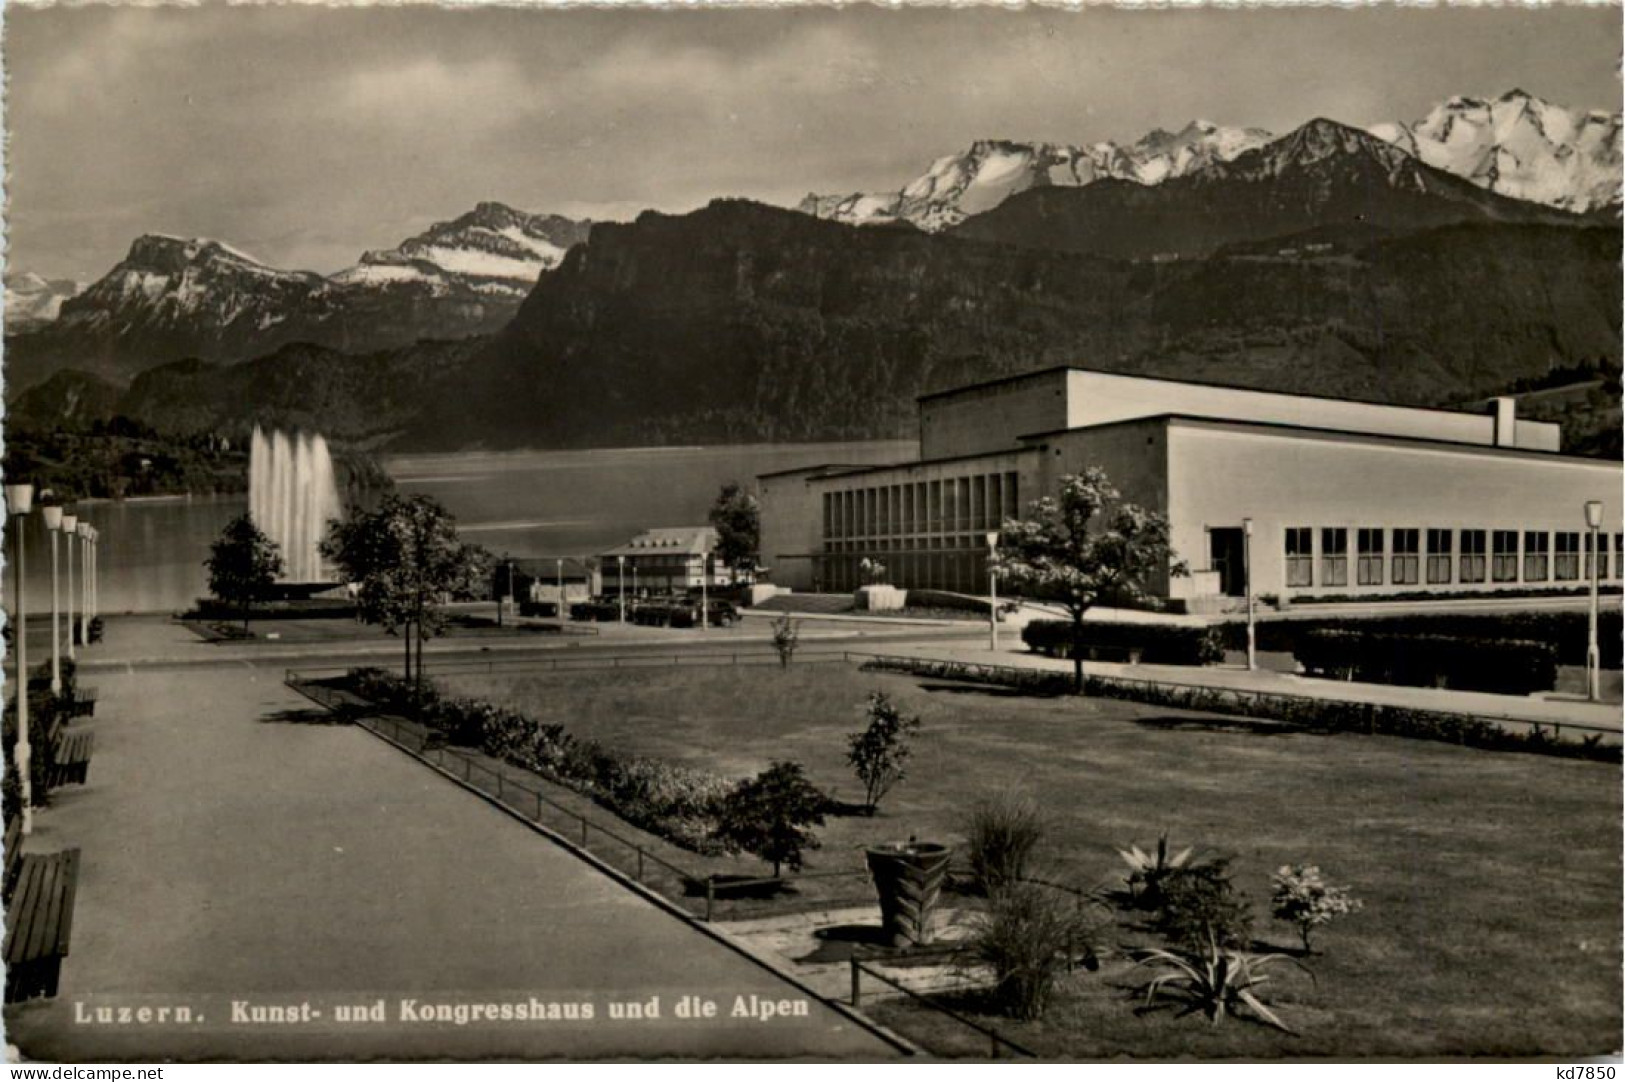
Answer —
233 850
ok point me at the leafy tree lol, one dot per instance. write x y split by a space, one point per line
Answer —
769 816
1085 546
737 518
405 561
243 565
878 753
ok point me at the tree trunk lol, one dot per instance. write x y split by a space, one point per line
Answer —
406 640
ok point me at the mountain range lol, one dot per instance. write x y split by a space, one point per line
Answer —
174 297
1331 260
1516 145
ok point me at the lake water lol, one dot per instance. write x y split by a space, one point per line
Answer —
523 503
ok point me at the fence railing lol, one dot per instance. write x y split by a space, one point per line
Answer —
996 1040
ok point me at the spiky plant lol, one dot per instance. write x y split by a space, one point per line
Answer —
1215 980
1148 870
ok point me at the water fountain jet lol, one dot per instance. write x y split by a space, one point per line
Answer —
292 495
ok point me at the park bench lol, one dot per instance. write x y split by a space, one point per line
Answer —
39 922
70 755
14 854
83 703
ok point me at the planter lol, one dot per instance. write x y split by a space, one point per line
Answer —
909 878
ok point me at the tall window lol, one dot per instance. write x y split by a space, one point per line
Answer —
1619 555
1439 556
1012 494
1602 568
934 515
1504 558
1371 556
1334 556
1300 556
1566 567
1536 548
1472 555
1407 546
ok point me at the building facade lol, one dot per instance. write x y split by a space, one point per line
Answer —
1343 497
665 560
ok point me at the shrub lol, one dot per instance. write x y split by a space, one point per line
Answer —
1028 936
1199 903
1302 898
786 637
1159 644
1149 871
1564 631
1213 979
1001 833
1511 668
877 754
769 816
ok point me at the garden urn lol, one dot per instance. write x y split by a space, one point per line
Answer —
909 877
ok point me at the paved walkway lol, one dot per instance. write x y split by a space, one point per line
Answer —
1478 704
233 849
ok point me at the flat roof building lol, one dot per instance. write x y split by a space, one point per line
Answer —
1345 497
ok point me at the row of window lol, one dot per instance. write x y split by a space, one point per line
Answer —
1397 557
981 502
962 568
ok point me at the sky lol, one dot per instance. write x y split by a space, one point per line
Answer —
306 135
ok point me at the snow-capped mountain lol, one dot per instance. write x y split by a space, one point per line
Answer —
492 250
174 297
961 185
1324 177
1521 146
31 299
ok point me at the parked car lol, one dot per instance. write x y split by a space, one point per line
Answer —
601 609
719 613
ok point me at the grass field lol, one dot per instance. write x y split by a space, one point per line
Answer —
1491 881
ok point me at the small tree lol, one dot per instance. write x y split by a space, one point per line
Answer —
877 754
1082 547
1301 897
786 637
769 816
243 565
406 561
737 518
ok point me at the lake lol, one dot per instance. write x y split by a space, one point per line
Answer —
521 503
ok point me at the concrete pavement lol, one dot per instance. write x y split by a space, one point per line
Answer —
237 847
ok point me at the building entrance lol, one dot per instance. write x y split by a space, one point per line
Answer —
1227 554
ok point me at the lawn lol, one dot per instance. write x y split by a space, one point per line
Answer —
1491 881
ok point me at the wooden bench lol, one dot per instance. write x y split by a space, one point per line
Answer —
83 703
70 755
73 758
14 856
39 923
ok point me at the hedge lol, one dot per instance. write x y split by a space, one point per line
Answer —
677 803
1505 667
1319 715
1158 644
1565 631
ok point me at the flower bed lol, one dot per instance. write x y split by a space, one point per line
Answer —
1321 715
677 803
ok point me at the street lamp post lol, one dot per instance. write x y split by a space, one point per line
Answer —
53 526
558 572
1593 656
85 532
19 500
992 591
620 583
705 600
70 529
1247 571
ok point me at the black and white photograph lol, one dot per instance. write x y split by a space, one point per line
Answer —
808 533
